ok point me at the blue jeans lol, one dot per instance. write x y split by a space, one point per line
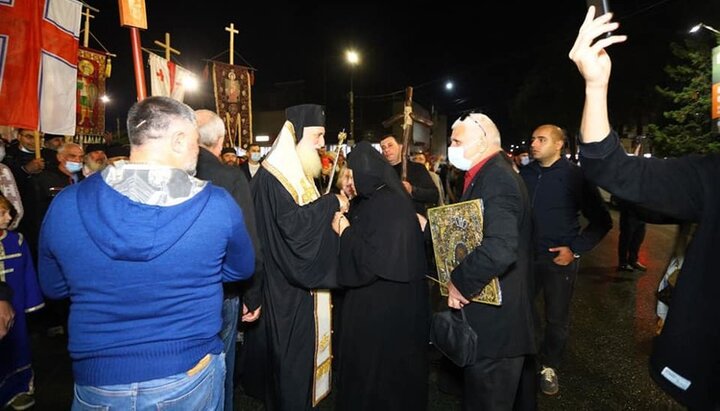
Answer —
228 333
198 389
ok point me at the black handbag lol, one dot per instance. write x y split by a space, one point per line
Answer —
451 334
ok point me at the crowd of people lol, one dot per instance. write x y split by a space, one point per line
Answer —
320 261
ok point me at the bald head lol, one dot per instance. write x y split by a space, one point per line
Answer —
547 143
478 135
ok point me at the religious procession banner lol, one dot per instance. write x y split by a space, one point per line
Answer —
168 79
233 101
91 75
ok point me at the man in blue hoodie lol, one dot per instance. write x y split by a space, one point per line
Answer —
142 249
558 193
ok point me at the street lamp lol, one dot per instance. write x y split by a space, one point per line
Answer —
353 58
705 26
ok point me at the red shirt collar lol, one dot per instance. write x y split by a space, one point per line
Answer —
470 174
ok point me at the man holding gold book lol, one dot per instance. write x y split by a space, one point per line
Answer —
505 332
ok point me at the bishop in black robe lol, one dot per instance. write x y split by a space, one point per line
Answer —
301 249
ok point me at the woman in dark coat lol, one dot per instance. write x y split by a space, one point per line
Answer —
384 319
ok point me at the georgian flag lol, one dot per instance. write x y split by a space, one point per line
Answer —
168 79
38 64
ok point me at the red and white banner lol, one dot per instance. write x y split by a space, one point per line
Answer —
38 64
168 79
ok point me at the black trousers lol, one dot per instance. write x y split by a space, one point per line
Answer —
491 384
557 284
632 234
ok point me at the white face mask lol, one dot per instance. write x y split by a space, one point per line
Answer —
255 156
73 166
456 156
525 160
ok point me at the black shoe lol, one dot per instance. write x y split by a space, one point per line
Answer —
640 267
626 267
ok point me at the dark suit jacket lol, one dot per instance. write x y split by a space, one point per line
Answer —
232 179
507 330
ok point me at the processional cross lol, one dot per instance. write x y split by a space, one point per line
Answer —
408 117
233 32
167 47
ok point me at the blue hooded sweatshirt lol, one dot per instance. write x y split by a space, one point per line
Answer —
144 281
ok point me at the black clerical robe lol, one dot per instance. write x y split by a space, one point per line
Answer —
384 322
302 254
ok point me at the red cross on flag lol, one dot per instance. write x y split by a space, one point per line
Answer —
159 76
38 64
168 79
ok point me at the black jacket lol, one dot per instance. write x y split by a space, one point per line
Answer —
232 179
685 360
507 330
557 194
425 193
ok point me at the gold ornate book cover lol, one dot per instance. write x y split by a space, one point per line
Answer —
456 230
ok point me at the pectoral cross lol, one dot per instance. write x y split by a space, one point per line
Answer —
409 118
233 32
167 47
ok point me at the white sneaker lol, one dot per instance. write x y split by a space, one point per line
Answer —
549 381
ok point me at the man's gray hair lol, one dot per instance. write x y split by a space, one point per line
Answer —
211 128
63 148
151 118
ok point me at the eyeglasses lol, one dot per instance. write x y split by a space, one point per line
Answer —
468 115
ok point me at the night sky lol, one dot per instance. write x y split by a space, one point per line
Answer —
490 51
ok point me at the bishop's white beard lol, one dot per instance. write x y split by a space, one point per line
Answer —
310 161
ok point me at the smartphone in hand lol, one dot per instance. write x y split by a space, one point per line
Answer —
601 7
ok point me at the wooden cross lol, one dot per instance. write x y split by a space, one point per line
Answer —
233 32
408 118
167 47
86 29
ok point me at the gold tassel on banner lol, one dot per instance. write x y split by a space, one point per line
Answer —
108 67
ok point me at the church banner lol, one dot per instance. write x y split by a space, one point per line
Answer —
233 101
90 111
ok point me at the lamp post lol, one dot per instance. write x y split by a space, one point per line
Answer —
704 26
353 58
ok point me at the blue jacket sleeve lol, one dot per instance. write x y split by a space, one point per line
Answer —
239 261
52 279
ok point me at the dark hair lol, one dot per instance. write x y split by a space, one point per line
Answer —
151 117
7 205
393 137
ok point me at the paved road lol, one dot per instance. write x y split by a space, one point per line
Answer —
605 368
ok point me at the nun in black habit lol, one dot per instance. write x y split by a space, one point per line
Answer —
384 322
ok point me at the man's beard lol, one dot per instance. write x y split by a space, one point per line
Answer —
310 161
94 166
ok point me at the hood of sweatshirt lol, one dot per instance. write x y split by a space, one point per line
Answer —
135 212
